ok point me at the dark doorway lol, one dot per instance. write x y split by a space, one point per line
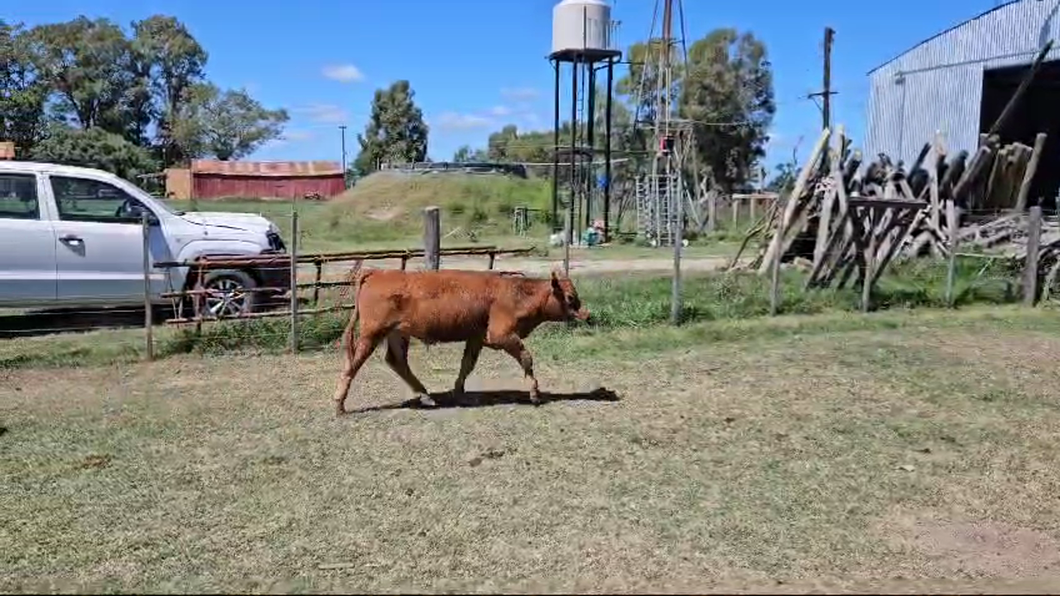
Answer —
1038 111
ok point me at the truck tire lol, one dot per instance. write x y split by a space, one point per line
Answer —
227 298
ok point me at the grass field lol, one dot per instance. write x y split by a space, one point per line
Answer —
896 452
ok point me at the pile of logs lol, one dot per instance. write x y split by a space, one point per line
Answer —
846 218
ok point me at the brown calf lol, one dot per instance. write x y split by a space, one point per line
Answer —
481 308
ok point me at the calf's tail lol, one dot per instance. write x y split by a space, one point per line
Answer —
354 278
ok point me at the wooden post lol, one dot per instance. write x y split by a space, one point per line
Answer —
774 286
1030 270
1028 174
294 281
712 211
678 236
493 259
951 269
870 262
432 238
316 287
754 203
735 212
148 302
779 244
567 240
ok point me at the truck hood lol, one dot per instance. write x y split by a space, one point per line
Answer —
248 222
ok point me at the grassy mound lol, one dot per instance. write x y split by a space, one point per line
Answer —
388 205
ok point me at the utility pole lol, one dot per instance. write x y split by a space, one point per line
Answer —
826 92
342 130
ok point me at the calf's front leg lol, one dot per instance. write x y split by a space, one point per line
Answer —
512 344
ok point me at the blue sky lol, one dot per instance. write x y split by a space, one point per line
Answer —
478 64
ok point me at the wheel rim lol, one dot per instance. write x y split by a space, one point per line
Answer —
226 298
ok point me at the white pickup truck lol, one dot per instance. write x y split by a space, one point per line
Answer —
73 237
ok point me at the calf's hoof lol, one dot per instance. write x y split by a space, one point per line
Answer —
340 410
535 398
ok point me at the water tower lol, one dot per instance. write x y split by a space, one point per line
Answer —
582 37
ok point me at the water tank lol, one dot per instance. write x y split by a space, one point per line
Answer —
581 25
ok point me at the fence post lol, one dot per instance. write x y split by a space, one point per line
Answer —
951 268
567 240
432 238
294 281
1030 269
774 286
148 310
712 212
735 212
678 237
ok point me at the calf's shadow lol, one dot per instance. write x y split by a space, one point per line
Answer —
480 399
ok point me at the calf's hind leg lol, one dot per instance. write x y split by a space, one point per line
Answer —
472 349
356 355
397 356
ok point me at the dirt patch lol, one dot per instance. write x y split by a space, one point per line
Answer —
977 548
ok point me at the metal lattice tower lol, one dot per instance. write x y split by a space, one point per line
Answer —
660 192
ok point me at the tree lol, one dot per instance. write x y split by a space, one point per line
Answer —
23 92
395 133
465 154
88 64
728 92
227 125
94 148
499 146
168 61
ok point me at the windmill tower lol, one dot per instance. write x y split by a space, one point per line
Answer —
661 193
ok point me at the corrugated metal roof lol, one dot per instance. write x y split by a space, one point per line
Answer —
266 168
944 32
938 85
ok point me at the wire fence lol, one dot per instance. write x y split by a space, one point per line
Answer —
302 300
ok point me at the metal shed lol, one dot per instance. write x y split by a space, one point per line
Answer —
954 82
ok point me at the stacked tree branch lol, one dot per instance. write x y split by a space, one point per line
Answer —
902 212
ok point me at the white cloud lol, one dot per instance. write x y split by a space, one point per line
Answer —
323 113
455 121
500 111
343 73
520 93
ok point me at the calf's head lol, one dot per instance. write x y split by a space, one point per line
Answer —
565 299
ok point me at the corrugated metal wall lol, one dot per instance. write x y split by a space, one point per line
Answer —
938 85
214 186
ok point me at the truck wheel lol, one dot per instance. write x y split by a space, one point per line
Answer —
227 297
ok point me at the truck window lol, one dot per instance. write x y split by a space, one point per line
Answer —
18 196
82 199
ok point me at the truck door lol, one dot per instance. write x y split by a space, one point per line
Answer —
27 244
99 243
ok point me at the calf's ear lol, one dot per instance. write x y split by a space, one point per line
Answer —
555 280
